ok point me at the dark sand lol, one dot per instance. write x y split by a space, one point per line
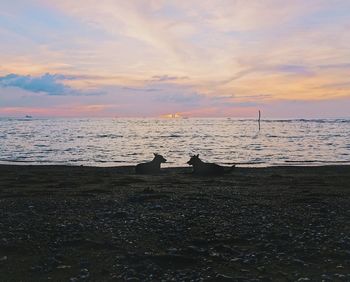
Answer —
101 224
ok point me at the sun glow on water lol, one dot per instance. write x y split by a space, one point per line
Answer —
175 115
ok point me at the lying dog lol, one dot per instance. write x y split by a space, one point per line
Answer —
202 168
150 167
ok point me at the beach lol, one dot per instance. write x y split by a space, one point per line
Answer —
78 223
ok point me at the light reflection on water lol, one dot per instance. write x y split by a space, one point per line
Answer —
111 142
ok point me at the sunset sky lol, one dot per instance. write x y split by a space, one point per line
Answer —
203 58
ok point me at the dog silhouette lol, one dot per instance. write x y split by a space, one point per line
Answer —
152 166
202 168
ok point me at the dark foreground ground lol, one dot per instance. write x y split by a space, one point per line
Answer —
100 224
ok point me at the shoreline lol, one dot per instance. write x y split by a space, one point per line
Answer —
107 223
291 164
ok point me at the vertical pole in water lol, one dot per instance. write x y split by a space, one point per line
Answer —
259 119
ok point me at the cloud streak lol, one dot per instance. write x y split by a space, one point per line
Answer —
166 77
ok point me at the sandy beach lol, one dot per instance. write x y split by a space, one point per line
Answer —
108 224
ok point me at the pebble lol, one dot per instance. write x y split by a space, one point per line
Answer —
223 277
63 266
133 279
303 279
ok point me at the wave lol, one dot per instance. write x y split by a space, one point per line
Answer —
319 161
305 120
112 136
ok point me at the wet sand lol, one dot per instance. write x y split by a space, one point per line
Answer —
108 224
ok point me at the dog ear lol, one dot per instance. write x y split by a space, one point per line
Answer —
197 156
155 154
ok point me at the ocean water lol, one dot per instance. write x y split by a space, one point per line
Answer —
115 142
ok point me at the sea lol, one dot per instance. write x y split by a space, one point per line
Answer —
226 141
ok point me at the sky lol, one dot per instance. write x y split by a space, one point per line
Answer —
198 58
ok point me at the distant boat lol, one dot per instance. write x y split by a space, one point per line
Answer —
28 116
